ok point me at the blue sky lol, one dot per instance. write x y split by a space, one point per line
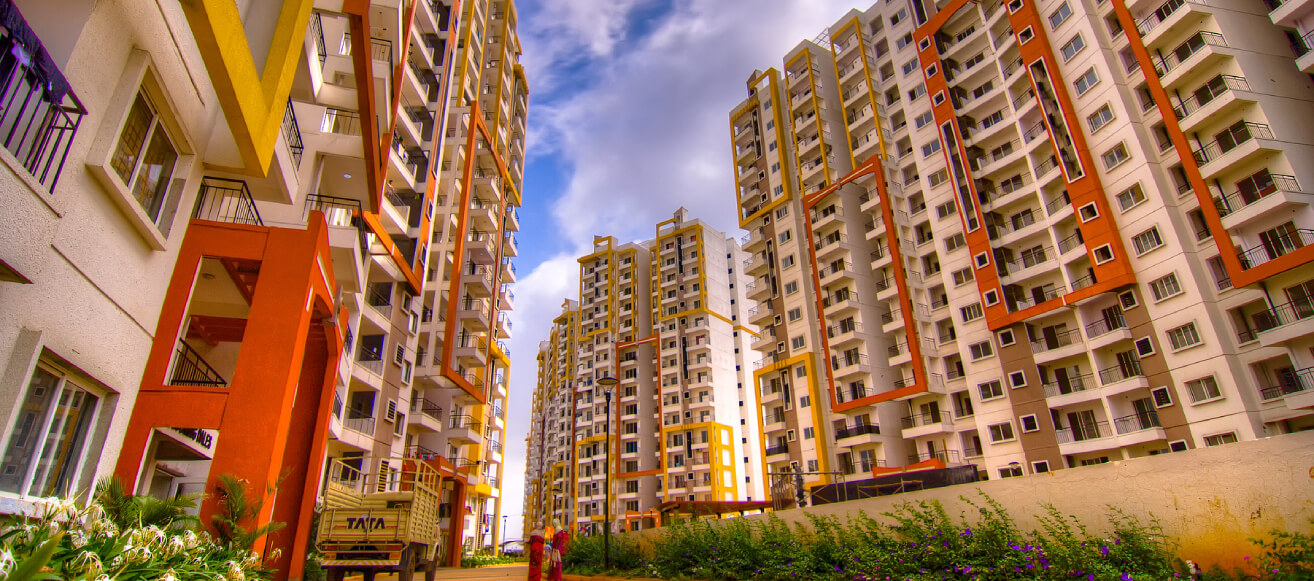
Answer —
628 120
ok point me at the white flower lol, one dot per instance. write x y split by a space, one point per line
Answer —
235 572
168 576
88 562
190 540
176 545
6 561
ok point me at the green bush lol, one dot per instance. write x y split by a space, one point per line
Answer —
922 542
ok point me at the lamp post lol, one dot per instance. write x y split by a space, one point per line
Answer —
607 384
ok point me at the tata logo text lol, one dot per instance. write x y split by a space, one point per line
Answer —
365 523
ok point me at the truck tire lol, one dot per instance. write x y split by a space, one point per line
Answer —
431 569
406 567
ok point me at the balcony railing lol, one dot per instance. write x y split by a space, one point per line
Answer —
1083 432
857 430
225 200
1105 326
1208 93
931 419
1186 50
189 368
340 122
1275 247
1145 25
1283 315
1068 385
292 133
1058 340
1136 422
427 408
1302 380
380 299
1258 189
418 452
467 422
773 450
946 456
361 425
39 112
1229 140
1122 372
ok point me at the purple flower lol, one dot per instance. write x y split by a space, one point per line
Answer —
1127 577
1104 550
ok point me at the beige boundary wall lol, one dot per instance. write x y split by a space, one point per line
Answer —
1211 500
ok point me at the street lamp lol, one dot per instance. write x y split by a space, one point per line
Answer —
607 384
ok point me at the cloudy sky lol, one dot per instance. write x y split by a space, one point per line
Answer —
628 120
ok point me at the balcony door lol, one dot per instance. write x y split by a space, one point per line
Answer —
1083 425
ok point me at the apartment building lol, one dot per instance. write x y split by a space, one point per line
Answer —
264 223
1016 262
664 318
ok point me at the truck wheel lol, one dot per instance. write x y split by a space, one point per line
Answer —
406 567
431 569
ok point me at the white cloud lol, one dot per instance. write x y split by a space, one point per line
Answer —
640 126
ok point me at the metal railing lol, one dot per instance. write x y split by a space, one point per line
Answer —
1302 380
1120 372
1186 50
225 200
465 422
1206 94
418 452
1217 148
379 299
1068 385
857 430
1145 25
1105 326
1083 432
1283 315
427 408
1059 340
340 122
189 368
360 425
39 113
292 133
773 450
1275 247
1136 422
946 456
921 420
316 34
1228 203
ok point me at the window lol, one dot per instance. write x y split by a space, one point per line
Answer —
1001 432
785 236
991 297
49 440
964 276
982 260
955 242
924 119
1128 300
1162 397
1089 212
1029 423
795 314
787 261
1040 467
796 342
1010 472
971 312
807 433
1131 197
1183 336
982 350
990 390
791 287
1147 241
1203 389
1006 338
804 401
1072 47
1087 80
1026 35
144 157
1220 439
1114 157
1165 287
1099 119
1017 379
931 71
1144 346
1103 254
1059 16
946 209
931 148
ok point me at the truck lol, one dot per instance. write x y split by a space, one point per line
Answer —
380 515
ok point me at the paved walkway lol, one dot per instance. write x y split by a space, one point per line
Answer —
507 573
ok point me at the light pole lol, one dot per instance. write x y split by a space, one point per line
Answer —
607 384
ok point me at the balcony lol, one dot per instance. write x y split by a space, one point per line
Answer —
1183 52
1265 194
1054 346
1083 438
777 450
464 428
1229 141
189 368
225 200
1209 94
427 414
1122 373
1061 388
857 435
1279 325
1276 246
40 112
918 425
948 457
1300 382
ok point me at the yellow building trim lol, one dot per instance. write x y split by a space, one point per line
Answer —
786 366
253 103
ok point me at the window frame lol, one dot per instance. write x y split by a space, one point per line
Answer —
40 438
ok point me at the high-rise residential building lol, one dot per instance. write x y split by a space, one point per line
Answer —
260 234
1039 235
664 317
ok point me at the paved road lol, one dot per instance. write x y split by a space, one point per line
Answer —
514 572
